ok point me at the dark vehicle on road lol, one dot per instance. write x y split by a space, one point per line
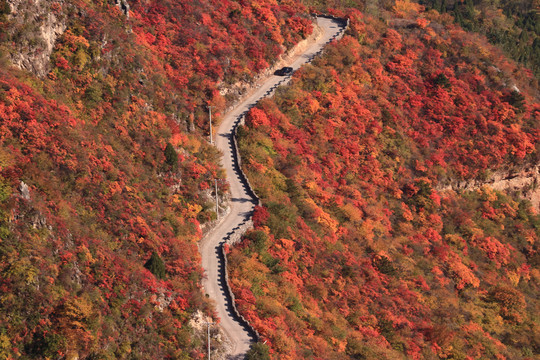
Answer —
284 71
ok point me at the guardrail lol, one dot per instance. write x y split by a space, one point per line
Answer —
345 22
238 160
233 239
236 236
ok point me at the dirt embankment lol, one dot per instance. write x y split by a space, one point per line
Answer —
243 89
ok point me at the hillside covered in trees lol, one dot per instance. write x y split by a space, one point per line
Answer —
105 166
513 25
356 253
106 179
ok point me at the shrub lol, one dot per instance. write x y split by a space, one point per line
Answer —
258 351
171 157
156 265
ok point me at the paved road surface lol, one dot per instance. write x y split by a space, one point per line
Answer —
242 204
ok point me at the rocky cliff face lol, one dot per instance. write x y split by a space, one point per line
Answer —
525 183
35 25
123 6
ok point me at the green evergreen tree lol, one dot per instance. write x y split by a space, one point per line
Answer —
442 6
442 80
171 157
516 99
156 265
258 351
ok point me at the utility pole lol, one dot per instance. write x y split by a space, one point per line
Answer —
208 326
217 200
210 121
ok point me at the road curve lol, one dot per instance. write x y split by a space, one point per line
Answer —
242 203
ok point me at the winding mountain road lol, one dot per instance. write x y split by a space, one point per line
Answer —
242 203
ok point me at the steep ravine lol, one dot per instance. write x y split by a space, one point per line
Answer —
243 199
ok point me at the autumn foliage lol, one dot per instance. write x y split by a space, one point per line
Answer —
105 170
358 252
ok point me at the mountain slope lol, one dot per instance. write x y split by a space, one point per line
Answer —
105 168
354 253
242 203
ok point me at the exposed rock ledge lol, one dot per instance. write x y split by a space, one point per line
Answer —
40 26
525 183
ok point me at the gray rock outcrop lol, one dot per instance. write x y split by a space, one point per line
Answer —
123 6
35 25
